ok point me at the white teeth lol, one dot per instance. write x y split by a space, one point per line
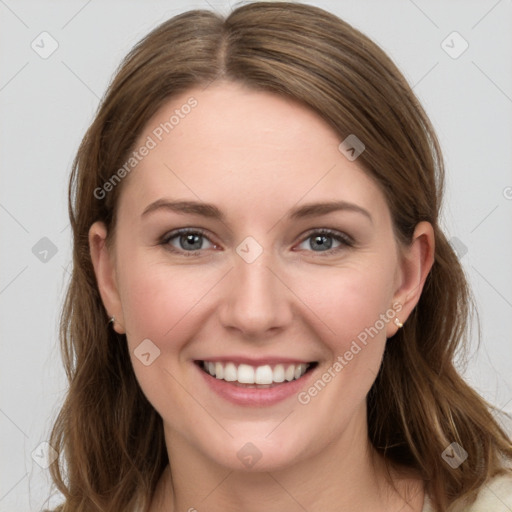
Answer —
289 374
247 374
230 373
278 373
263 375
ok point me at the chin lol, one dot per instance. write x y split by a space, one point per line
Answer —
258 453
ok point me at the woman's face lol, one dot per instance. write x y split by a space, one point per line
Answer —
287 261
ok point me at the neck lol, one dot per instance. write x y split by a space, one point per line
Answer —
347 475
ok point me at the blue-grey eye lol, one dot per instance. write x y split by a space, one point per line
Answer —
189 241
323 241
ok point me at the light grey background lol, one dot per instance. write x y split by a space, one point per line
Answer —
47 104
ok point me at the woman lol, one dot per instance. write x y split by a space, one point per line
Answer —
264 312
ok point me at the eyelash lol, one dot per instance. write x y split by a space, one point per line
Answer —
345 240
183 231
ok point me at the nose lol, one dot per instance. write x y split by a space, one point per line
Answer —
255 301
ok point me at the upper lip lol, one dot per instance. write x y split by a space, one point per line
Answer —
260 361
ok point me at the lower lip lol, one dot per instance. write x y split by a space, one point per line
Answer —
261 397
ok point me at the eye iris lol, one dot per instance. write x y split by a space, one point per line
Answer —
322 241
190 238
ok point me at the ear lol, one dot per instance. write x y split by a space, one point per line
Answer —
416 261
104 268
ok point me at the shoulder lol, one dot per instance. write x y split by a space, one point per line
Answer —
495 496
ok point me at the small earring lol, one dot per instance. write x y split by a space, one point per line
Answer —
112 320
398 323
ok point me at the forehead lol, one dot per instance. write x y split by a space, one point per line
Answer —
242 147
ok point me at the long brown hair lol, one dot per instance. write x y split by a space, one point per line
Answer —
110 439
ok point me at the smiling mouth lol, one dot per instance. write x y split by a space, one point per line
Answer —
248 376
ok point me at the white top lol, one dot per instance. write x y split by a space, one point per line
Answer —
495 496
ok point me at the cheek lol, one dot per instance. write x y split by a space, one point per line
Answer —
161 304
159 299
351 301
356 308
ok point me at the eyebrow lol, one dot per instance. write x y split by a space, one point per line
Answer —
193 207
211 211
314 209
